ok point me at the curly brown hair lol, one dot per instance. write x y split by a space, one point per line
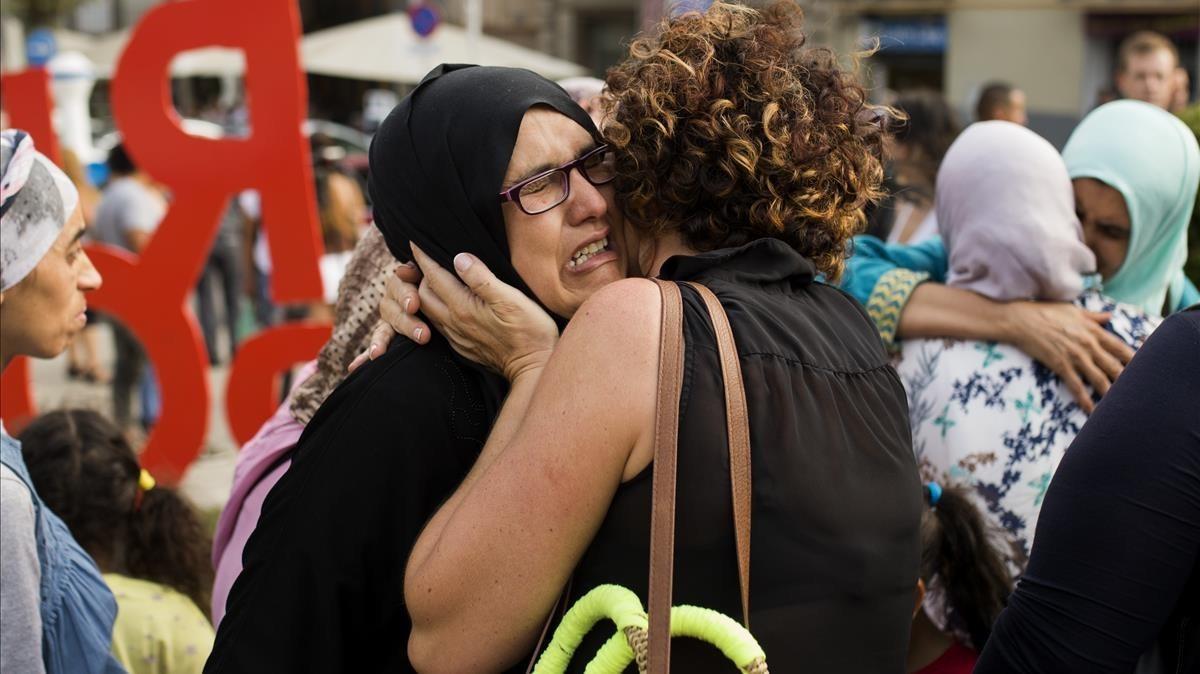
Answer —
728 129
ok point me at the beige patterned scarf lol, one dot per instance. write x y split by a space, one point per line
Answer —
355 316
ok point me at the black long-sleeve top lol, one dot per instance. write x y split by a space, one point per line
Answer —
322 588
1114 575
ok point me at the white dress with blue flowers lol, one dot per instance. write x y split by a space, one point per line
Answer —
989 416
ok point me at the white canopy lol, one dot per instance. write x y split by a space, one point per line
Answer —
383 48
387 49
103 51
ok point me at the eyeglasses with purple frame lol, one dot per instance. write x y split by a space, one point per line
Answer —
513 193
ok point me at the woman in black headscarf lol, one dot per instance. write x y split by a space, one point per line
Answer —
322 585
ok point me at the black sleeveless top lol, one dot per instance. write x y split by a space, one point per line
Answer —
836 497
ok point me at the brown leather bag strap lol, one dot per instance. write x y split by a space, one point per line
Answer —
662 508
737 419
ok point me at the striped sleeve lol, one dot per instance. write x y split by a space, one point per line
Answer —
888 298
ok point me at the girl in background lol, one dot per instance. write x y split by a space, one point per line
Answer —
963 587
146 539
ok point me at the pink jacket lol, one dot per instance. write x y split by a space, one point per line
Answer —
258 469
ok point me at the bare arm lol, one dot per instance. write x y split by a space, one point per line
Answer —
487 570
1068 340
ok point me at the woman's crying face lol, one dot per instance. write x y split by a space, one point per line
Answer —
575 248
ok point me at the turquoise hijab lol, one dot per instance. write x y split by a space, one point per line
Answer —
1152 159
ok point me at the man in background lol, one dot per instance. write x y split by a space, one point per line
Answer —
1003 101
223 268
129 211
1148 69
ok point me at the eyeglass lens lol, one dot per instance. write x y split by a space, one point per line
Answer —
552 189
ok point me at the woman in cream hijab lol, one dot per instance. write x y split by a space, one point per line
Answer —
986 413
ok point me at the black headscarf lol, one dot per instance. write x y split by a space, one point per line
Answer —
438 162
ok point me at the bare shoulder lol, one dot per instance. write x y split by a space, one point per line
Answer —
629 309
619 324
611 343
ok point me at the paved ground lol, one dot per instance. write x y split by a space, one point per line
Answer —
208 481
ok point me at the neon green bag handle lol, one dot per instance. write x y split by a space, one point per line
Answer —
623 607
625 610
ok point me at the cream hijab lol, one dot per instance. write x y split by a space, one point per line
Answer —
1006 213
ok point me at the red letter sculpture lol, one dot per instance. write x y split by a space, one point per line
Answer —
203 175
29 104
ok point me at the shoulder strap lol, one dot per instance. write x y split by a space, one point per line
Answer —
737 420
666 445
662 507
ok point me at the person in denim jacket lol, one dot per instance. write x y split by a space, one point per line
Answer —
56 613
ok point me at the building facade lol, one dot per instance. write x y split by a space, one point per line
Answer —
1061 52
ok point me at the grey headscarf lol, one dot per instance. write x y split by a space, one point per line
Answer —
36 198
1006 213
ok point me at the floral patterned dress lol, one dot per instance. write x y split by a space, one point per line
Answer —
987 415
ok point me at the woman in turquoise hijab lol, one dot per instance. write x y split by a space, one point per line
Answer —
1135 171
1147 158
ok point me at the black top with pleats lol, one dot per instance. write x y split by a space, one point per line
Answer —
836 495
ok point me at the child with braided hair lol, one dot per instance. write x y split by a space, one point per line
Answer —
146 538
964 584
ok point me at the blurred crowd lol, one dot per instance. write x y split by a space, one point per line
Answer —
989 479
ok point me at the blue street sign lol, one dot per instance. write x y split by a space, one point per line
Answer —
681 7
40 47
920 35
424 18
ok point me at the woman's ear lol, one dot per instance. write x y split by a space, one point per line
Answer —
920 596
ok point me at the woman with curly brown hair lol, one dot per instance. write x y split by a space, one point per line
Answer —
743 162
